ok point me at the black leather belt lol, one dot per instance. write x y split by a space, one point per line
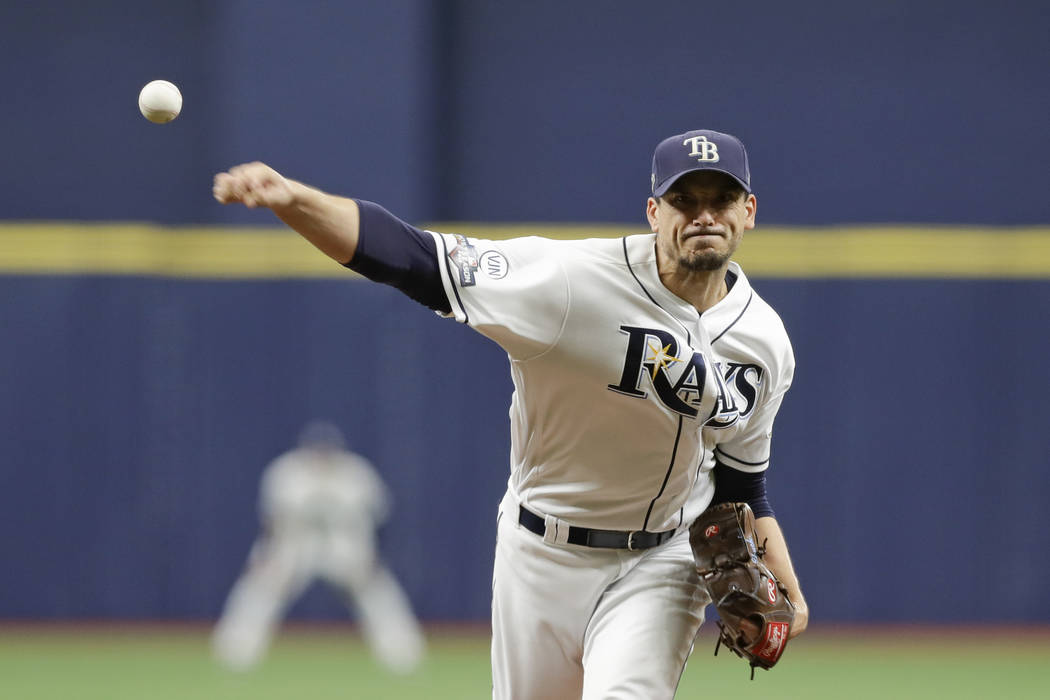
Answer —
607 539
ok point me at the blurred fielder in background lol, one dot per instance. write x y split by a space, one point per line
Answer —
320 505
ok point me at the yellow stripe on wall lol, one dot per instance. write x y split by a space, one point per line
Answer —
134 249
275 252
901 252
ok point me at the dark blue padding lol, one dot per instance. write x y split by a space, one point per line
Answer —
392 252
735 486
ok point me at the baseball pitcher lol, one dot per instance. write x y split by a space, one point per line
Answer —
647 374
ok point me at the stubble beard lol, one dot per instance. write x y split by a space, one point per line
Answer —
704 260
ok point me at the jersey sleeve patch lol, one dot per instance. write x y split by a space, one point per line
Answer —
448 275
514 291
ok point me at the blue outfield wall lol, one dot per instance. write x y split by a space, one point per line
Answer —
909 467
140 397
493 110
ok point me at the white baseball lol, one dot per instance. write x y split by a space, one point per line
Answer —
160 101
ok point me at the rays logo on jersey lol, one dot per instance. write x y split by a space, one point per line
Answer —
677 377
465 257
743 381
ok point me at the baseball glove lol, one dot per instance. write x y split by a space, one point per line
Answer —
755 610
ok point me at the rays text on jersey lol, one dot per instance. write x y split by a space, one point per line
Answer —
676 373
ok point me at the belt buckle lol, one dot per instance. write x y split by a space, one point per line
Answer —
630 540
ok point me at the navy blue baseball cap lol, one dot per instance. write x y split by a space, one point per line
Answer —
699 150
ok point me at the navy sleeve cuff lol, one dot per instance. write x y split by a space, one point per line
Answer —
735 486
392 252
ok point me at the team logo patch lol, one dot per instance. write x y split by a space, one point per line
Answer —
656 361
702 149
711 531
465 257
771 590
493 264
772 644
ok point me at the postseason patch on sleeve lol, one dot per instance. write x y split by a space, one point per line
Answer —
465 257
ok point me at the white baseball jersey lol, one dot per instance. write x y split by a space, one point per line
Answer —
617 392
315 492
758 366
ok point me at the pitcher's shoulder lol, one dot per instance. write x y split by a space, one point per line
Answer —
621 250
754 328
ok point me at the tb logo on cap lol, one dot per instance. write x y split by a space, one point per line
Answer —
703 150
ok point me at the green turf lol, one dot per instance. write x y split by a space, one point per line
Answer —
158 664
907 664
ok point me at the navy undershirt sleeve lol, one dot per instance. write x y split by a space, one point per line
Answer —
392 252
735 486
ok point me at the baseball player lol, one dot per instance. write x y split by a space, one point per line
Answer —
647 374
320 505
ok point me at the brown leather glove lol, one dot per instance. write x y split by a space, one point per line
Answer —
755 610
